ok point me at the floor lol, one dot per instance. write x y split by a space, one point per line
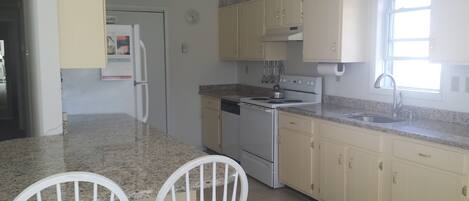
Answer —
260 192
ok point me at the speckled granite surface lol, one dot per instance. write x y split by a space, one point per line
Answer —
419 112
233 92
447 133
117 146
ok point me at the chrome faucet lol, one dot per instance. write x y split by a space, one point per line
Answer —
397 96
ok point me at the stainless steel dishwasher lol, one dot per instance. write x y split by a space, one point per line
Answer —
230 128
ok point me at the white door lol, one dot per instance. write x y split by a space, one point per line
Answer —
153 36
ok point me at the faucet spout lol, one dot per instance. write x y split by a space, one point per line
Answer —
397 96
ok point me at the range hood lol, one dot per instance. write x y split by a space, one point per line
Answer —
283 34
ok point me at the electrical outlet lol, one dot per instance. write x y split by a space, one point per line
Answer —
467 84
455 84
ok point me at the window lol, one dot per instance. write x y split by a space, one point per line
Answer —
408 46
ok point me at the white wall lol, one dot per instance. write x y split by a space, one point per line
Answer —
200 66
43 61
85 93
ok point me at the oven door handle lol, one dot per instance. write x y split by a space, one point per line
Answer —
257 108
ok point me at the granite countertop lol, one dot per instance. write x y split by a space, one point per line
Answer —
233 92
446 133
116 146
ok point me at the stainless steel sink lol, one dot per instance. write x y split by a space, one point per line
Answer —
373 118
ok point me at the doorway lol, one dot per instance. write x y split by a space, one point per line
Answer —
11 73
152 30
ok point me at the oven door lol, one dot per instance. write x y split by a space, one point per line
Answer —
258 131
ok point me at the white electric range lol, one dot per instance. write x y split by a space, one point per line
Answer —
259 125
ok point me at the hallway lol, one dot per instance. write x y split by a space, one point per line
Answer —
9 130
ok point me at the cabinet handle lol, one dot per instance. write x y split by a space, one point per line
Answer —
380 165
312 145
292 123
464 191
425 155
350 163
284 12
394 178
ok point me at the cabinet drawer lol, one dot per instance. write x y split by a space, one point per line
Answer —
211 102
296 122
427 155
358 137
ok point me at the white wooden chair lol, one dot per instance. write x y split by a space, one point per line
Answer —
75 177
199 163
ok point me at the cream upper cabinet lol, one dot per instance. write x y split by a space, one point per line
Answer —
283 13
273 13
333 163
449 32
228 32
211 123
413 182
335 31
364 176
292 11
82 33
251 30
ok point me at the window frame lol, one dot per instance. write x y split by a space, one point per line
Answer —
389 40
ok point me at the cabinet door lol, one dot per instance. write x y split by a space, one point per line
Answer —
295 160
273 13
251 29
211 129
82 33
363 176
450 31
292 13
228 32
332 171
321 30
412 182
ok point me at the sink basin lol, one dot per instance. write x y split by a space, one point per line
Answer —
373 118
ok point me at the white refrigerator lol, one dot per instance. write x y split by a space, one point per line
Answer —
127 60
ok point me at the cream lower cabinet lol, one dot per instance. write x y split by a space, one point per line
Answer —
332 171
413 182
349 174
211 123
296 158
298 161
364 175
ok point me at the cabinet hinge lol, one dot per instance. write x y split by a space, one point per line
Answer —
464 191
381 165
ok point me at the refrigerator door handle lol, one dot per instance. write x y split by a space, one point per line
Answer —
144 82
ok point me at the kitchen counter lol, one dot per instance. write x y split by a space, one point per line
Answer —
233 92
446 133
117 146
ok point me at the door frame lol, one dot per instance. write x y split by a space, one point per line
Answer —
165 12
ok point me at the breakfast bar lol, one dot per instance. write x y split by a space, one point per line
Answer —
116 146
